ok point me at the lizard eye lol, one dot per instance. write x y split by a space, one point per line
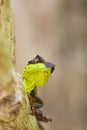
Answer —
37 59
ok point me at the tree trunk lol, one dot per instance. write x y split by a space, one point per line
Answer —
14 104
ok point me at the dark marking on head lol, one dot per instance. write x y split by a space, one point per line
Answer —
50 65
37 59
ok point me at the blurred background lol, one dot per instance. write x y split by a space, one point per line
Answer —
56 30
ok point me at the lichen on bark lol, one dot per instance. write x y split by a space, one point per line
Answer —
14 104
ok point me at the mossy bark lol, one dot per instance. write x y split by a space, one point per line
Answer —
14 104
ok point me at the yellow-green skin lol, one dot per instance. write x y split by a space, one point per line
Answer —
35 75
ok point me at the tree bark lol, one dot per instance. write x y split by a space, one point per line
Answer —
14 104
